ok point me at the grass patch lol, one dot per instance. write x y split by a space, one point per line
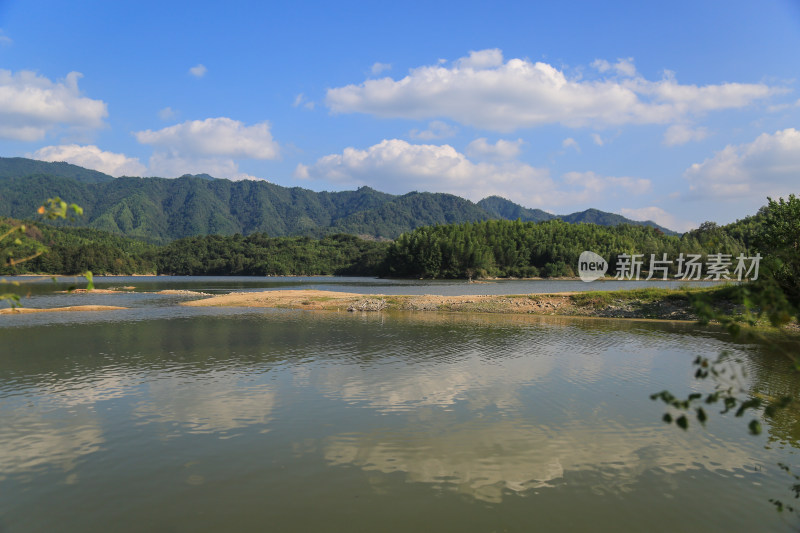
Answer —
652 294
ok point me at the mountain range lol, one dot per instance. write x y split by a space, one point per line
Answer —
160 210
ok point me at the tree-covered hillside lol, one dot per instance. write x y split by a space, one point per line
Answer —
160 210
526 249
469 249
508 210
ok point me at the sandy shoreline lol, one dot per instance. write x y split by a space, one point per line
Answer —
565 303
26 310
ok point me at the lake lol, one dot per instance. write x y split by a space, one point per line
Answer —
162 417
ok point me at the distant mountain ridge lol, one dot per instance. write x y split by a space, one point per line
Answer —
507 209
160 210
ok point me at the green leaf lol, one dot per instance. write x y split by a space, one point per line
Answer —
755 427
682 422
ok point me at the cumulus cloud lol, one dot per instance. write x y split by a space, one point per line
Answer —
591 184
208 146
5 39
300 99
377 68
172 165
436 130
783 107
682 134
660 217
32 105
482 59
484 91
214 137
768 166
92 157
198 71
398 167
597 139
623 67
502 149
167 113
569 142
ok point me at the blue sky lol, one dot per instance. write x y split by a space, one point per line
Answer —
680 112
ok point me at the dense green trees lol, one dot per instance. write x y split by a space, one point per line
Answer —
497 248
75 250
260 255
490 248
523 249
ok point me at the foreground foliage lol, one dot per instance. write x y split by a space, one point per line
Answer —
19 253
774 298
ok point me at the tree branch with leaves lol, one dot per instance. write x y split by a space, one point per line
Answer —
52 209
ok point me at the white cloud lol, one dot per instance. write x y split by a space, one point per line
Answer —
768 166
623 67
167 113
482 59
597 139
208 146
436 130
92 157
32 105
398 167
171 165
660 217
593 183
198 71
783 107
569 142
482 90
682 134
4 39
502 149
300 99
214 137
377 68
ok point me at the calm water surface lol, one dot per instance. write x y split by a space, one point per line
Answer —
168 418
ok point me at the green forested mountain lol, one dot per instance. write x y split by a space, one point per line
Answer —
602 218
19 166
161 210
508 210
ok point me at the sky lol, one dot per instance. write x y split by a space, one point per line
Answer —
678 112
